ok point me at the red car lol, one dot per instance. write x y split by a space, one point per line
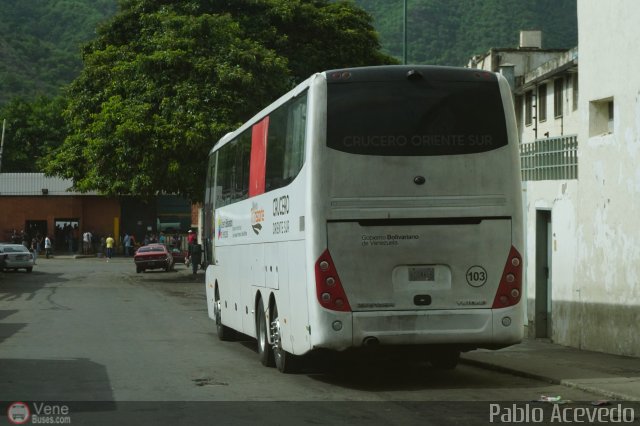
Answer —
153 256
179 256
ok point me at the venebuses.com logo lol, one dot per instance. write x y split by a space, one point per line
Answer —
19 413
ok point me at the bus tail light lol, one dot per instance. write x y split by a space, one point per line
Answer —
510 288
329 289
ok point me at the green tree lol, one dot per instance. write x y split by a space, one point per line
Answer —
33 130
164 80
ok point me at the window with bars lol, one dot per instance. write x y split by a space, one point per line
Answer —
550 159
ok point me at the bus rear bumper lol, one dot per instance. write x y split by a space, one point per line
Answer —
467 328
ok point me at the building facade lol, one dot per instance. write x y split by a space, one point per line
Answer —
36 204
603 301
579 127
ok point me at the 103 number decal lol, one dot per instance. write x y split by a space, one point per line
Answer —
476 276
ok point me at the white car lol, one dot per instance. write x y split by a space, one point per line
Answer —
17 257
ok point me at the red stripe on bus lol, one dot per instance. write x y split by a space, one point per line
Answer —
258 157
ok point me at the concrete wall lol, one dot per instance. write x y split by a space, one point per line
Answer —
604 312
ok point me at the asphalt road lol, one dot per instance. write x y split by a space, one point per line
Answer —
141 347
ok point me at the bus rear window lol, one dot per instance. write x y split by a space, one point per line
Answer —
403 117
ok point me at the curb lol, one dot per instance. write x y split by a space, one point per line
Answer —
512 371
608 393
568 383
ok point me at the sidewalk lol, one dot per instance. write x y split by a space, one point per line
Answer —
613 376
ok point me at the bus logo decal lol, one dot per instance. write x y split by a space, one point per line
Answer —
281 206
257 216
223 224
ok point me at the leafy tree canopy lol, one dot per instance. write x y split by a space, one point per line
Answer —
33 130
164 80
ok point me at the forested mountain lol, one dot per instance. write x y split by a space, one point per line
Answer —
40 39
449 32
40 43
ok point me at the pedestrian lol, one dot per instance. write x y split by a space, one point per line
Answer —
132 239
87 238
39 242
127 244
191 239
25 239
47 246
34 249
109 242
195 257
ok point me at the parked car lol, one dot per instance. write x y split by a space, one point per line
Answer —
153 256
16 256
179 256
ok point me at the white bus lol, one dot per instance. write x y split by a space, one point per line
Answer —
375 206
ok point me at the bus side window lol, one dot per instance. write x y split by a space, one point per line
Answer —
285 143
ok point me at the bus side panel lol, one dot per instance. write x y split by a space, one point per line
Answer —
210 283
233 276
275 261
295 330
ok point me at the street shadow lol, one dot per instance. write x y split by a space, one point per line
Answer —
383 372
4 313
78 379
171 277
20 285
8 330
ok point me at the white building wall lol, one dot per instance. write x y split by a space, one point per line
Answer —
567 124
604 311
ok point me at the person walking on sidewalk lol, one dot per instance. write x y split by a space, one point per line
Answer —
34 249
127 244
110 242
47 246
195 257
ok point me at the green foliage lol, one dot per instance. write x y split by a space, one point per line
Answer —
165 80
33 130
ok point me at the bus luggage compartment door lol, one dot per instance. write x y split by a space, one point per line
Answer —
420 265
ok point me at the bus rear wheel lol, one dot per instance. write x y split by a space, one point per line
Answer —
285 361
264 349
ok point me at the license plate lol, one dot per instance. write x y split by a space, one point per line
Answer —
422 273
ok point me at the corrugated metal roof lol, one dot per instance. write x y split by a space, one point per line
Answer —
24 184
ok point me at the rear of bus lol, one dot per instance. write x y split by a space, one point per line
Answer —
419 235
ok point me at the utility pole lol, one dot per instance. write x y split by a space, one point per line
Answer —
404 31
4 121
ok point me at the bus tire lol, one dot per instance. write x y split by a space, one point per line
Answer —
445 359
225 333
285 361
265 352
